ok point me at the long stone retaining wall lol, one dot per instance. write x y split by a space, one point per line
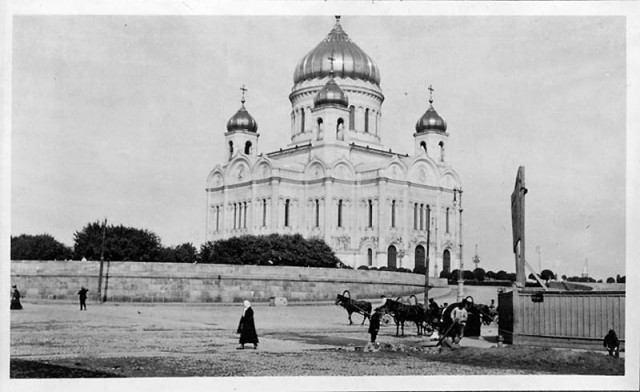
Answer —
171 282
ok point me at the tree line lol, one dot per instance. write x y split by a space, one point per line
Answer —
120 243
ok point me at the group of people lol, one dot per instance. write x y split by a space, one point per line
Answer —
16 305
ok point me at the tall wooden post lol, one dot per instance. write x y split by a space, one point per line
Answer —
426 267
517 221
104 233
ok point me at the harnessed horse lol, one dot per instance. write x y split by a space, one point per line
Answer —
354 306
402 313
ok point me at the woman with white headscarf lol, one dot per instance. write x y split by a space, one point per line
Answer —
247 328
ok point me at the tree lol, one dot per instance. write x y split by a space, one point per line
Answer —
479 274
444 274
490 275
38 247
455 275
564 277
274 249
547 275
121 243
611 280
468 275
185 253
511 276
501 275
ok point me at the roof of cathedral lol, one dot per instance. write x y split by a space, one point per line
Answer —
331 93
242 121
350 60
431 120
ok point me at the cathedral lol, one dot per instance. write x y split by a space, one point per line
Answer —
335 180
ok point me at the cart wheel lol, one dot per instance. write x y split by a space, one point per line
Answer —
386 320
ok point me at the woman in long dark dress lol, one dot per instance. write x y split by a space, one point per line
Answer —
15 299
247 328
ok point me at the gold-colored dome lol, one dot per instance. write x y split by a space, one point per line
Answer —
431 120
350 60
242 121
331 93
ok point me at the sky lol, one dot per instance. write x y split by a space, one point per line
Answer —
124 117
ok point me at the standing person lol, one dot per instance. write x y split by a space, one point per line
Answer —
83 297
459 317
612 344
15 298
374 325
247 328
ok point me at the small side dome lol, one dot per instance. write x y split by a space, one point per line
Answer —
242 120
331 93
431 120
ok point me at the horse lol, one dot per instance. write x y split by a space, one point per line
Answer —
354 306
402 313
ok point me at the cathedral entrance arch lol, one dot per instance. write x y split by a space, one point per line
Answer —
446 260
420 260
392 256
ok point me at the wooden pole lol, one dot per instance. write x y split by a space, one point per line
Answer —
104 233
426 269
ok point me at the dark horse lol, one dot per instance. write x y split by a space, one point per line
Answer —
402 312
353 306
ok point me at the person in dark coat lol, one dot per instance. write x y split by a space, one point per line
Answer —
15 299
374 325
83 298
247 327
612 344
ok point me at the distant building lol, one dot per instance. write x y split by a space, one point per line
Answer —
336 180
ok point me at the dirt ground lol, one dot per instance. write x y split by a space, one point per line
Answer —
56 340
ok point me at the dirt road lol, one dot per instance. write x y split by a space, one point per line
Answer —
175 340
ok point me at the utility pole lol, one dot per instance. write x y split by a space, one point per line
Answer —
426 269
461 274
104 233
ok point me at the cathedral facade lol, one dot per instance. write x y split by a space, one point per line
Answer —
335 179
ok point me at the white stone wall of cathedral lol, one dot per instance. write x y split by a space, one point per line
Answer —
241 211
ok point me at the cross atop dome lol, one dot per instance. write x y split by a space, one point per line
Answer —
431 90
243 89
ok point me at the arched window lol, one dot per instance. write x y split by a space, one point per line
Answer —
217 218
230 149
317 213
366 120
423 145
415 216
369 257
446 261
352 117
428 224
286 212
235 216
244 216
247 148
370 213
340 129
447 219
340 213
393 213
420 260
264 212
391 256
320 129
302 113
441 144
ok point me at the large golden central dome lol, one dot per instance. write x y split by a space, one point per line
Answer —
349 60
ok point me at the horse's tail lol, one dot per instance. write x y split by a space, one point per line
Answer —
344 293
